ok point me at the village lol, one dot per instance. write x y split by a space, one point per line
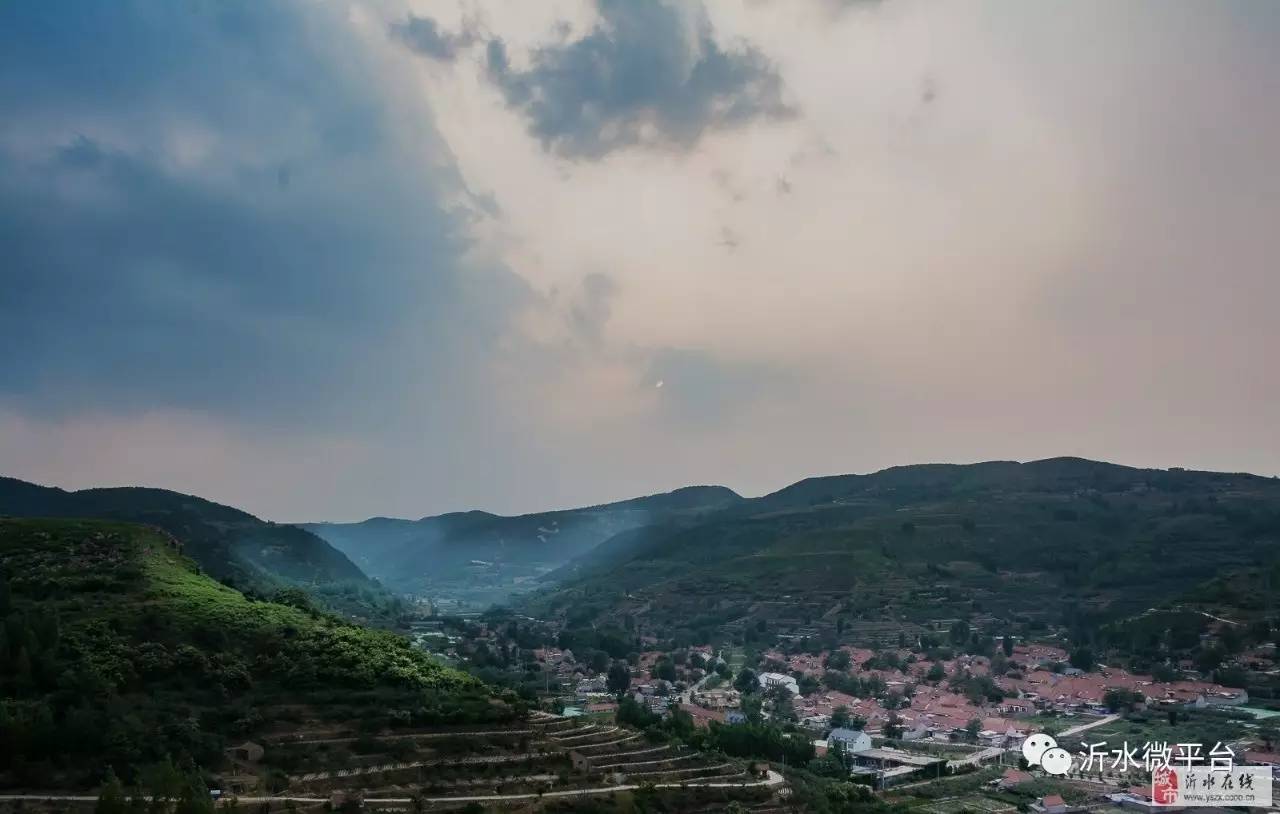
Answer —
903 719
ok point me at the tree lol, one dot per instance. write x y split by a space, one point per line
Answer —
619 678
1006 644
936 672
1231 676
838 660
829 765
783 709
632 713
194 797
959 632
1231 639
111 799
809 685
840 717
165 783
1082 658
972 729
1209 659
1120 700
664 669
1269 735
746 682
751 708
779 694
599 661
893 726
297 598
1164 673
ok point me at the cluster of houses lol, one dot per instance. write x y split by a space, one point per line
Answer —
936 711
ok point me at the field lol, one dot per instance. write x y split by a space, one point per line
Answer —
974 803
1193 726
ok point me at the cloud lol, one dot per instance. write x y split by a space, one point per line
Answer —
272 254
700 390
649 73
246 231
424 35
590 313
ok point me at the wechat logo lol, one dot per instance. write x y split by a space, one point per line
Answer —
1042 750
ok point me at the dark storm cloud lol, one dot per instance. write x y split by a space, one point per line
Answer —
643 75
424 35
203 207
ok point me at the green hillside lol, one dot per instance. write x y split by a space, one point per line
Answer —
1058 542
415 555
116 650
230 545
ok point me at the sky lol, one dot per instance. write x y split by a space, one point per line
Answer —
331 260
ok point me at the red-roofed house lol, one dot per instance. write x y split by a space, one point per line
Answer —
703 717
1013 777
1050 804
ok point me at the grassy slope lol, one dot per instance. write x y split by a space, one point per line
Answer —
230 545
147 656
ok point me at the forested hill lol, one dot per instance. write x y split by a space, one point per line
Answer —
1060 540
404 552
230 545
116 651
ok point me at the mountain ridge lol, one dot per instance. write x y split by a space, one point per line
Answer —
230 544
443 547
934 539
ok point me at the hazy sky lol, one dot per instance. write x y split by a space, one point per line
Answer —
326 260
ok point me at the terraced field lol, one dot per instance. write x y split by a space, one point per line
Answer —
547 758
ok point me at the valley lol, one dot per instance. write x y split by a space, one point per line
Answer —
693 650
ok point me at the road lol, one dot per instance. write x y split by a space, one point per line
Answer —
976 758
421 764
1075 730
772 779
686 697
409 736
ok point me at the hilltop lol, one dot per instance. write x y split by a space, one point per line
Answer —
117 651
489 549
229 544
1061 541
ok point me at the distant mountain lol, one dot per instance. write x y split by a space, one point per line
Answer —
230 545
1060 541
405 553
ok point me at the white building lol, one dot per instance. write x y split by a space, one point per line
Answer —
770 680
849 741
